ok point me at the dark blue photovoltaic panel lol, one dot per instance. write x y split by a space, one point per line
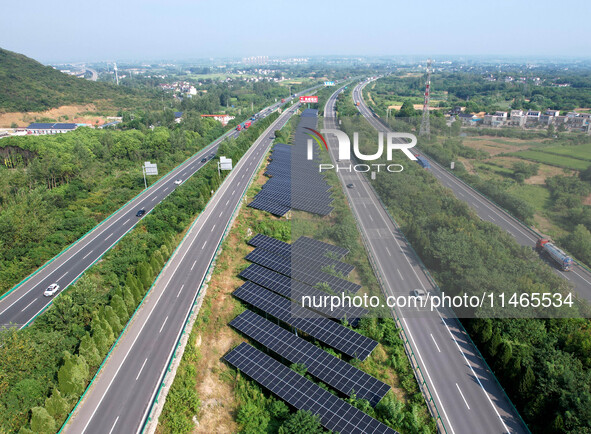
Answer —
296 291
311 276
301 257
335 335
310 243
333 371
301 393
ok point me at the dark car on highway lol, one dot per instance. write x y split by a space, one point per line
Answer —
203 160
140 213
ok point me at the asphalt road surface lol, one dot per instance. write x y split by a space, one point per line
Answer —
579 277
24 303
467 396
120 398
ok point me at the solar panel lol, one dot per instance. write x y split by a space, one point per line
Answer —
303 394
302 257
296 291
335 335
269 206
312 244
311 276
333 371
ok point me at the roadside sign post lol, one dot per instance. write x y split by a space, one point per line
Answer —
224 164
149 169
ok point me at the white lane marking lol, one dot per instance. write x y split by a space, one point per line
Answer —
140 332
109 236
364 206
563 275
581 277
62 276
125 222
193 266
492 218
400 274
182 286
465 402
28 305
154 198
203 246
227 202
388 250
437 346
212 228
233 192
165 319
166 189
221 212
115 423
474 373
142 368
86 256
370 217
242 176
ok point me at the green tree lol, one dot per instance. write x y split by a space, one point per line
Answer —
253 418
72 375
120 308
56 405
302 422
41 421
89 351
407 110
113 320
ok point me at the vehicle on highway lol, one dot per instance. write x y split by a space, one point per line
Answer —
350 186
418 293
51 290
140 213
178 181
564 262
203 160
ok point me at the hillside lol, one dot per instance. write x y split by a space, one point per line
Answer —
27 85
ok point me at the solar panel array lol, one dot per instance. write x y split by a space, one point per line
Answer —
296 291
333 334
296 182
312 244
311 276
303 394
322 365
300 257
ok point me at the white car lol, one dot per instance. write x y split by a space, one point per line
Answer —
178 182
51 290
418 293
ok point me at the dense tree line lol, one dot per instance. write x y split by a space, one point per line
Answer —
45 367
542 364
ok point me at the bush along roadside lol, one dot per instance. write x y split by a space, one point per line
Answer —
246 407
45 367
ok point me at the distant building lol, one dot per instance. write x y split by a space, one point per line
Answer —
495 120
178 117
50 128
455 111
532 117
549 117
517 118
224 119
468 119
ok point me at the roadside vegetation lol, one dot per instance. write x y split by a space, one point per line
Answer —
229 402
543 364
45 367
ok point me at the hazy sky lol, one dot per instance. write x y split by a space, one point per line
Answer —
183 29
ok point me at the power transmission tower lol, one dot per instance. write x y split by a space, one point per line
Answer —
425 125
116 75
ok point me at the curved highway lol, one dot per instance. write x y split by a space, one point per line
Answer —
467 396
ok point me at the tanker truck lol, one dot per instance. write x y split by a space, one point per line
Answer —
564 262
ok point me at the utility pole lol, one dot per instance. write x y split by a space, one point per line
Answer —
425 124
116 75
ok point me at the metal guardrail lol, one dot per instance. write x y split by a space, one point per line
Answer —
436 286
132 317
207 273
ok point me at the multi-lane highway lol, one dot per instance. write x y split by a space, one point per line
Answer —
579 277
465 392
120 398
26 301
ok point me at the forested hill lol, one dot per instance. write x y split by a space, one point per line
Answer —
27 85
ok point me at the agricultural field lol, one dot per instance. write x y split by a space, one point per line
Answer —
553 159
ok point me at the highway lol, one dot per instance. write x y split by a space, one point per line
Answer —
120 399
579 277
465 392
20 306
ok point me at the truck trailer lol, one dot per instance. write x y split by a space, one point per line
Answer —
423 162
565 262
